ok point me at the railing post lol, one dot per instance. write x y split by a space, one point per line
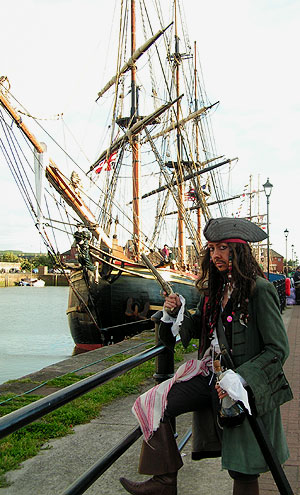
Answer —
164 367
164 361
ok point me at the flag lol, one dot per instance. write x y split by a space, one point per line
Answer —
110 162
190 195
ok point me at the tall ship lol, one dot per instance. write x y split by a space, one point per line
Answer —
149 189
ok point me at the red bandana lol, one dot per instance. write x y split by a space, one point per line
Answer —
234 240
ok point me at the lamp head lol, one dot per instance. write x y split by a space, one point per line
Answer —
268 188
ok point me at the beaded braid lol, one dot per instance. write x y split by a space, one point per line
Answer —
246 270
213 308
215 288
243 271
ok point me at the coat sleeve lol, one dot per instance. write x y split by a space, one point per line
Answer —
191 327
263 372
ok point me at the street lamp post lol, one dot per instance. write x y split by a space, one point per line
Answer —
292 246
286 233
268 189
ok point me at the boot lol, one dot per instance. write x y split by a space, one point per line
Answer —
160 455
161 458
165 484
245 487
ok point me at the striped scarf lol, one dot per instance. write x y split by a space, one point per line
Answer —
149 407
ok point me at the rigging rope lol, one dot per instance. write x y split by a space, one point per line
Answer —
12 162
153 82
29 203
194 235
167 42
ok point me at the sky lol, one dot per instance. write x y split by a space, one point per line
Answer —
55 54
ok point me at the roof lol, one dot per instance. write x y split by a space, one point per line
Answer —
274 254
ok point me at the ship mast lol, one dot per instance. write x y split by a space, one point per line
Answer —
197 136
181 227
136 165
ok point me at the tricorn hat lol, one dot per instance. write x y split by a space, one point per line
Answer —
225 228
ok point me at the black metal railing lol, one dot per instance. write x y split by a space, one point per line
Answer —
26 415
21 417
92 474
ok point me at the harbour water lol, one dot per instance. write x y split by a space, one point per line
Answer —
34 329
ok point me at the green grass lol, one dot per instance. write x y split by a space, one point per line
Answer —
66 380
22 380
27 441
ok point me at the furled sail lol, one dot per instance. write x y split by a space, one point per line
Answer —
176 125
135 56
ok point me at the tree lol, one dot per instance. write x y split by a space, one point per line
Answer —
42 260
26 265
9 257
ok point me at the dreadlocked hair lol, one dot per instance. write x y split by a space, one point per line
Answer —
245 270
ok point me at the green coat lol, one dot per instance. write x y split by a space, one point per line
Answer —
259 351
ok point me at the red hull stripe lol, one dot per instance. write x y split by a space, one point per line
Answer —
88 347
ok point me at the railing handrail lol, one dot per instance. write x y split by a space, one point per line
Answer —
27 414
99 467
94 472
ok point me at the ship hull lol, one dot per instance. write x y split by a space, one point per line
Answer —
106 313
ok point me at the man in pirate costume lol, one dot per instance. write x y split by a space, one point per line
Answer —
241 304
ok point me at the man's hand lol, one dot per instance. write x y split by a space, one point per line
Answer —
221 392
172 303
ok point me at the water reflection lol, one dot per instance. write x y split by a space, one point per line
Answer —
34 329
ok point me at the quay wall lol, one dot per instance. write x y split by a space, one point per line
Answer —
51 279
